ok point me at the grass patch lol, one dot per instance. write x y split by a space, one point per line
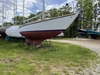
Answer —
60 59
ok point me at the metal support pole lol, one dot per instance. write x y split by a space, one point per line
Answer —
73 6
5 16
2 12
15 12
14 5
43 12
23 10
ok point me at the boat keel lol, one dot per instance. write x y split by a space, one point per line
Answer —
35 42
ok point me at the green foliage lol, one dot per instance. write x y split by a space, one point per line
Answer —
58 12
60 59
86 5
18 20
52 12
72 31
30 16
89 12
7 24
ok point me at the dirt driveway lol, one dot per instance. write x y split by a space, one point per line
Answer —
91 44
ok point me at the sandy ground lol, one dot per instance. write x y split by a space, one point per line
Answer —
91 44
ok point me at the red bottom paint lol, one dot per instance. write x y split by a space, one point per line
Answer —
37 37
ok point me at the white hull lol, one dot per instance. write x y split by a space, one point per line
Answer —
60 23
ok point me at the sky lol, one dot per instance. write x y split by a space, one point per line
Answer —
31 6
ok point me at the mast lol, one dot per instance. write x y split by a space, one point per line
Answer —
73 6
5 16
43 12
15 12
23 10
2 12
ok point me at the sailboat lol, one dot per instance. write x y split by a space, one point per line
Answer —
38 31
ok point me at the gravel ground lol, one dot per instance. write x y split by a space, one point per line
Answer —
91 44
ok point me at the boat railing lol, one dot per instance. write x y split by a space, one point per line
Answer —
39 17
40 20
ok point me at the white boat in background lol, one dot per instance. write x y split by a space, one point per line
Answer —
13 32
61 34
